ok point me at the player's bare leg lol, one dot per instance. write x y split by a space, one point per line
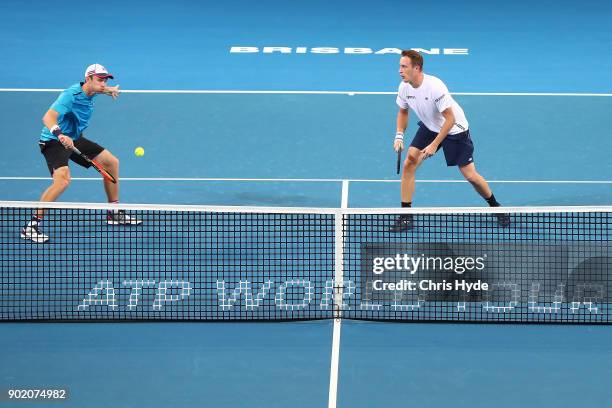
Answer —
476 180
61 181
111 164
414 158
482 187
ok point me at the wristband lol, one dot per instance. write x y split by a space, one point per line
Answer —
399 136
56 130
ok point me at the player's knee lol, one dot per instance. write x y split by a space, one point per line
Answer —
472 177
114 162
108 160
64 182
62 179
410 164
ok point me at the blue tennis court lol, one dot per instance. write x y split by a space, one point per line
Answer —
293 105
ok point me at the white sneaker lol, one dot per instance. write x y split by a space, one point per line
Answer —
119 217
32 233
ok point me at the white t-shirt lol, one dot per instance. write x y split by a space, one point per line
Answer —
428 101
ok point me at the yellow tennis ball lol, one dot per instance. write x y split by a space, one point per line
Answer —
139 151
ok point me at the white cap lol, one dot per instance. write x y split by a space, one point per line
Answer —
97 70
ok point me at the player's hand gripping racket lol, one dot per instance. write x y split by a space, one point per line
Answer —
105 174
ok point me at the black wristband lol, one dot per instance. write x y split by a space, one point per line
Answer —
56 131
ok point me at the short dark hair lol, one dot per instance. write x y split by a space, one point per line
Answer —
415 57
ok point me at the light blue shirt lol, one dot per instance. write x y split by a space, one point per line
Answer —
75 109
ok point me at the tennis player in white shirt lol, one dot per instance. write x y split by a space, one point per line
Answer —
442 124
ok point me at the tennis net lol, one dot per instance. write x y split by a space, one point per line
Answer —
551 264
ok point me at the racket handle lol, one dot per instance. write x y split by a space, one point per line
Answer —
399 161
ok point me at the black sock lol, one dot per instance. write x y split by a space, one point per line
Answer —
492 201
111 212
406 205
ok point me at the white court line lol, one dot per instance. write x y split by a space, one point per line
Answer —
338 282
313 180
345 194
281 92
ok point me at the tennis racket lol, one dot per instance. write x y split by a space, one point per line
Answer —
399 160
105 174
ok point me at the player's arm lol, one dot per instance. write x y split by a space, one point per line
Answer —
402 125
449 122
50 120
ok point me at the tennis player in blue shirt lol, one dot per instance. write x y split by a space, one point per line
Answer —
65 122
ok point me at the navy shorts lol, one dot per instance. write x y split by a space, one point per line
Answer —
458 148
57 155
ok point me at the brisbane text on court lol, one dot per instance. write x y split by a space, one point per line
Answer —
344 50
